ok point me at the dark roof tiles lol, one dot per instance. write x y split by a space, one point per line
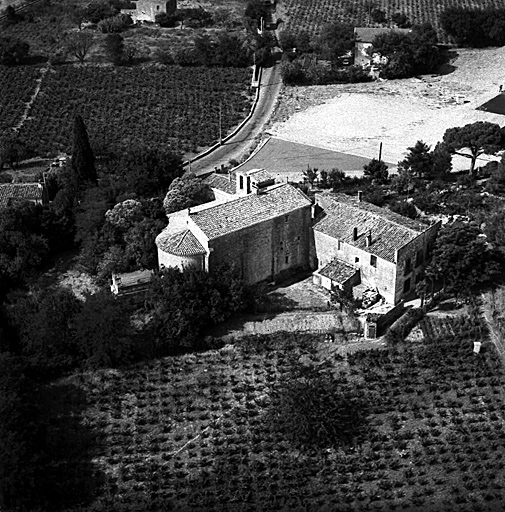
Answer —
28 191
225 183
389 231
338 271
182 243
246 211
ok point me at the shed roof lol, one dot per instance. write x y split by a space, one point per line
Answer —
182 243
389 231
249 210
28 191
222 182
338 271
138 277
260 175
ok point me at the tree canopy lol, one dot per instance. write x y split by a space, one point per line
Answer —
183 304
408 54
13 51
186 192
481 137
461 260
474 26
83 159
377 171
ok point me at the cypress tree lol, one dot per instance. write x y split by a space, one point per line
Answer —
83 159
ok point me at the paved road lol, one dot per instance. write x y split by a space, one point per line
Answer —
238 145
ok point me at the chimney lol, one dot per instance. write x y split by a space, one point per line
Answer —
360 196
355 233
369 239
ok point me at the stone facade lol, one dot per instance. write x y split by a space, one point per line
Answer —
148 9
264 233
388 250
266 250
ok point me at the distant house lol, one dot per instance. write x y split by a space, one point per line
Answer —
363 39
146 10
263 229
359 243
131 283
32 192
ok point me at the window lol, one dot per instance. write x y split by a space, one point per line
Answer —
406 286
373 260
282 246
408 266
419 258
286 218
157 7
241 182
356 260
339 245
286 259
298 238
418 278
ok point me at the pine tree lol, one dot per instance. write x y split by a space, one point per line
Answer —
83 159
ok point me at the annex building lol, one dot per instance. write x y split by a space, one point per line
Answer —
32 192
356 242
261 227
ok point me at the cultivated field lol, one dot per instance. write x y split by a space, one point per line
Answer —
356 118
311 15
200 432
154 105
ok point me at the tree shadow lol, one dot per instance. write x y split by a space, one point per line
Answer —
70 477
448 56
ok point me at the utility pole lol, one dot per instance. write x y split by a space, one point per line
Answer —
380 152
220 125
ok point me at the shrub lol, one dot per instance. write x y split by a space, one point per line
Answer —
401 328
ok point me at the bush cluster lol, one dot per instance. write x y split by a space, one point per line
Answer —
401 328
474 27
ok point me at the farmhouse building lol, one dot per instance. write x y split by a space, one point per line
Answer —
263 229
32 192
356 242
363 39
146 10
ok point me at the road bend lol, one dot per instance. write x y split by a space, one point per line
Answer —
238 145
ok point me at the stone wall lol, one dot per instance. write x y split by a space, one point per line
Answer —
381 277
181 262
409 275
265 250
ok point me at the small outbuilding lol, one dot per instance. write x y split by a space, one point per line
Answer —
131 283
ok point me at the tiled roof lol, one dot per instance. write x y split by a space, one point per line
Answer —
368 34
26 191
338 271
222 182
249 210
260 175
182 243
389 230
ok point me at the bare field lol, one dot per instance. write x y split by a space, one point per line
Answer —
356 118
